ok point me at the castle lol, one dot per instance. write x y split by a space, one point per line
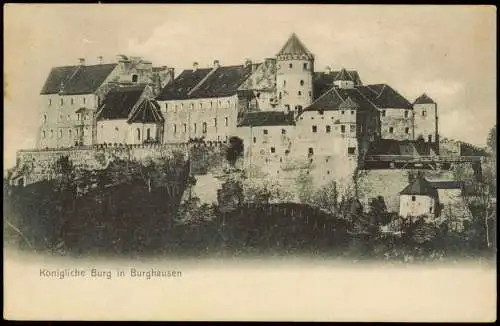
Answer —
281 108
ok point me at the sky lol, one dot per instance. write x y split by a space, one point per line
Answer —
448 52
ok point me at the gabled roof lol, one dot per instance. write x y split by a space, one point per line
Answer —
385 97
221 82
73 80
420 186
335 99
343 75
294 47
424 99
119 102
146 112
180 87
323 81
266 118
349 104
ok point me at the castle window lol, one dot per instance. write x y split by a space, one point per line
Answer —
211 105
44 118
254 140
192 106
273 150
257 95
383 113
226 121
116 128
284 83
201 106
51 133
429 138
279 95
314 128
406 113
204 127
413 198
305 66
60 133
310 151
50 101
265 131
43 134
279 66
194 128
310 94
215 122
391 130
287 107
352 111
407 130
69 133
72 101
134 78
166 107
327 172
84 100
424 113
290 66
61 101
301 83
175 129
138 133
342 129
430 209
299 92
353 128
185 128
283 131
148 133
342 112
328 129
299 108
351 150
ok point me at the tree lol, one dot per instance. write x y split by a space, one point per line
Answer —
304 186
234 150
327 197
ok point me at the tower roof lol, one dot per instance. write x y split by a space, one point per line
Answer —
424 99
343 75
295 47
420 186
349 104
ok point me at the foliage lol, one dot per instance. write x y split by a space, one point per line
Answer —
234 150
304 184
265 192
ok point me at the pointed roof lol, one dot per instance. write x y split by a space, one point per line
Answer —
295 47
147 111
119 102
343 75
424 99
420 186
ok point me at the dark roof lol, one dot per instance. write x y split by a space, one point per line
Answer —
424 99
384 96
266 118
147 111
335 99
343 75
75 80
294 47
401 147
447 184
323 81
119 102
420 186
180 87
221 82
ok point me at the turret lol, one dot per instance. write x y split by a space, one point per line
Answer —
425 119
294 76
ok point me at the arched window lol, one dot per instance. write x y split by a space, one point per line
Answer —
148 133
138 133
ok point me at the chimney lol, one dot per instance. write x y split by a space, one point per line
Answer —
216 64
328 69
195 66
81 61
99 59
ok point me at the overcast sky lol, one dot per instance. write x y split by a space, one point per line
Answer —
448 52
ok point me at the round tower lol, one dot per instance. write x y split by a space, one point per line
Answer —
294 76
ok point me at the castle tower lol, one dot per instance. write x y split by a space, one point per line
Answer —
294 76
425 119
